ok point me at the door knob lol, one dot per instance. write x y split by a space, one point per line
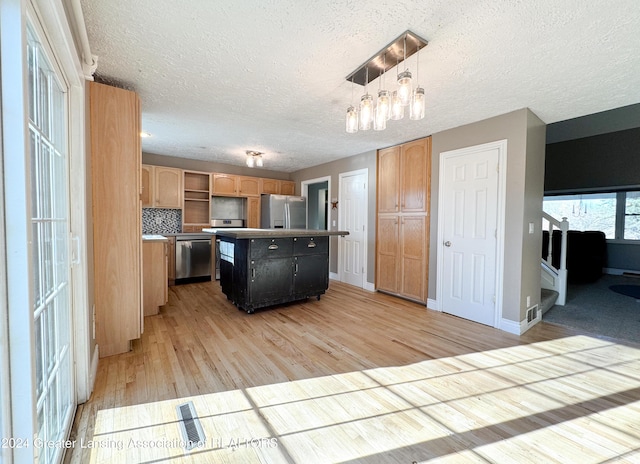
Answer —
447 243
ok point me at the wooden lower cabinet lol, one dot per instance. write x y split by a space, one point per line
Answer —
171 261
155 254
387 262
402 254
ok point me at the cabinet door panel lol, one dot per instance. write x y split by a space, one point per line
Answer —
287 188
415 176
253 212
270 186
311 274
224 184
389 180
387 256
413 255
248 186
147 186
270 279
168 187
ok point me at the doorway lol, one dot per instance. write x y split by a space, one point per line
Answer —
317 193
469 214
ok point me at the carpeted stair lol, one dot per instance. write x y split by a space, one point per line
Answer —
547 299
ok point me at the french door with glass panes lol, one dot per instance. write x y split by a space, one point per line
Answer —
50 260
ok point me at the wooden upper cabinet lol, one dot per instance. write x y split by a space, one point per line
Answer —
414 178
224 184
167 189
287 187
146 195
248 186
389 180
270 186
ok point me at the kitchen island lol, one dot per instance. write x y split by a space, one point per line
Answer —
265 267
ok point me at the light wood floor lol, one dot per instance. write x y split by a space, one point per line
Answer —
358 377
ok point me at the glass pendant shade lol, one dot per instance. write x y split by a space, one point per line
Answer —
417 104
397 110
366 112
404 87
352 120
380 119
250 161
259 161
384 103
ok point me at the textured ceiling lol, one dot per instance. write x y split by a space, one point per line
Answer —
217 78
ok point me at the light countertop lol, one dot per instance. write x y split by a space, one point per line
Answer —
270 233
154 238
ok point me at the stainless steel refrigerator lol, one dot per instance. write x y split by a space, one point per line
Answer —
283 212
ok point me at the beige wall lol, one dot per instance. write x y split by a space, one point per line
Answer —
525 135
334 169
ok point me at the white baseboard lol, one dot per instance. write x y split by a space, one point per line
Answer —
512 327
334 276
433 304
369 286
518 328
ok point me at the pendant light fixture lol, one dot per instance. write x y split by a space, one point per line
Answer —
382 110
254 158
404 79
416 111
352 115
389 104
366 108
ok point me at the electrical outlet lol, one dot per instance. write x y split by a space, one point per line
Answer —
528 301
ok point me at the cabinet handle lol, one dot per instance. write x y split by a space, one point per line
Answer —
273 246
312 245
296 270
253 273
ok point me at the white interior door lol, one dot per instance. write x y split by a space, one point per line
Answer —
353 218
469 234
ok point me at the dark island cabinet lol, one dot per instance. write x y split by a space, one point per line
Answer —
259 272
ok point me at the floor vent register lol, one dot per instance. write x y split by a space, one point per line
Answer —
192 433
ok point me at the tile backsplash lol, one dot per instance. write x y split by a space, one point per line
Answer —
161 221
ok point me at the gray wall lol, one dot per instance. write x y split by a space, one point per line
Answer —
525 135
601 162
334 169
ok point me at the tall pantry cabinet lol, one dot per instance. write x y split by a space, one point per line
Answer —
116 183
402 243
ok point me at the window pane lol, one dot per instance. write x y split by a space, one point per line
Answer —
585 212
632 216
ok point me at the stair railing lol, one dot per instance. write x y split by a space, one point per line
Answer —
557 278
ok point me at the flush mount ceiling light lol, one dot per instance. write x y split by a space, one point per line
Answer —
389 104
254 158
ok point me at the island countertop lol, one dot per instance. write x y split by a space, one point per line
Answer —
242 233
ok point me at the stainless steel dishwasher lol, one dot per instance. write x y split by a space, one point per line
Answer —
193 259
